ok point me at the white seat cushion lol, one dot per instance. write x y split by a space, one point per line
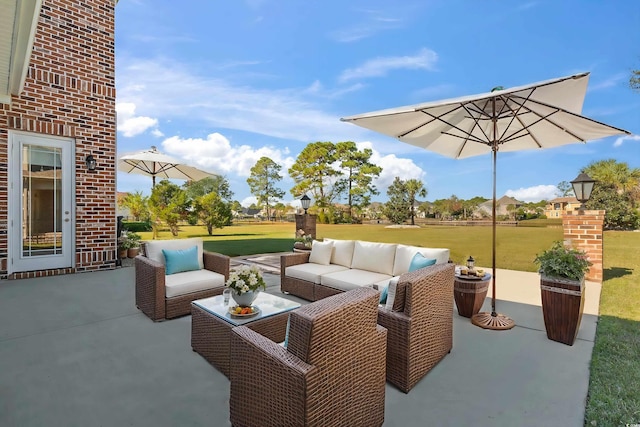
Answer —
192 281
385 283
376 257
342 252
153 248
352 279
404 255
311 272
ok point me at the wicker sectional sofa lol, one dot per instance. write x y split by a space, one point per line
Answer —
351 264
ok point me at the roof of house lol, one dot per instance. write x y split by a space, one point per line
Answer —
570 199
504 200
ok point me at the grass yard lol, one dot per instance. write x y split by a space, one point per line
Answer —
614 389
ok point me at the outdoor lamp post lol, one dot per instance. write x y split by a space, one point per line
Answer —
306 202
582 187
470 263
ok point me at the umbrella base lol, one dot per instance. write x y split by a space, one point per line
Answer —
495 321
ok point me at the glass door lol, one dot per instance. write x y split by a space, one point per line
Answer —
40 203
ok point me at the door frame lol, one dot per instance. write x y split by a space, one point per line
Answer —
16 263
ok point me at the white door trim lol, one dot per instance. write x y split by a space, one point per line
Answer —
18 260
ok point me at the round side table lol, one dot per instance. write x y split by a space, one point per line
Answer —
470 294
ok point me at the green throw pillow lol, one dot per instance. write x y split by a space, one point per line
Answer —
419 261
181 260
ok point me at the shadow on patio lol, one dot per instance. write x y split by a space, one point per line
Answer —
74 350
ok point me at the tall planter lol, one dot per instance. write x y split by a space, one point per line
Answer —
562 306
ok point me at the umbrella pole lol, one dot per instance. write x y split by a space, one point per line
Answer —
493 320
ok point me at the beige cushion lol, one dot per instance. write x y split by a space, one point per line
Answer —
351 279
342 252
404 255
384 283
391 293
154 248
321 252
311 272
192 281
376 257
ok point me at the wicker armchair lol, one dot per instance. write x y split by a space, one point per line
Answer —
331 373
420 325
151 281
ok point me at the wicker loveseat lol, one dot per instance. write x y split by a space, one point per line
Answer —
161 296
419 322
332 373
349 265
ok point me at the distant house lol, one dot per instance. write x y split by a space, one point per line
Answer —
502 206
556 207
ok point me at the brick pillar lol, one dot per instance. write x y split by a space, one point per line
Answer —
307 223
583 231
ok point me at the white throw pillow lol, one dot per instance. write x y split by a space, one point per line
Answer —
321 252
391 293
377 257
342 252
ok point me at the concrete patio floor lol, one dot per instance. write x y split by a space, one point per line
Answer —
75 351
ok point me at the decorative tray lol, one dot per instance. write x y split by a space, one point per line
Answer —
468 277
232 312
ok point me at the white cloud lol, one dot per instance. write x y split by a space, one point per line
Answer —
608 83
392 167
620 140
171 91
130 124
373 22
534 194
248 201
216 154
425 59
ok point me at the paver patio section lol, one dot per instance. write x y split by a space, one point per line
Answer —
74 350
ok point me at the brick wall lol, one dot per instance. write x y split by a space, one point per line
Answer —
307 223
70 92
583 230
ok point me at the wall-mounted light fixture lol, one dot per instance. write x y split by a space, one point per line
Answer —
582 187
91 162
305 201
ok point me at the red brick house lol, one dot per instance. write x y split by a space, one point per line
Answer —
57 112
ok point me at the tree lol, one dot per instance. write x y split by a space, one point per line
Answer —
634 80
313 172
264 175
213 211
168 203
414 188
358 174
620 215
280 209
624 180
214 184
564 189
397 209
236 206
136 203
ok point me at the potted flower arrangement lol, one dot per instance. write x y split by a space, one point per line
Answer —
245 284
303 241
562 271
129 244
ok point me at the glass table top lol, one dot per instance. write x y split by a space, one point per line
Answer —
268 304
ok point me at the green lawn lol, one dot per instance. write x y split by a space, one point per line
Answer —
614 389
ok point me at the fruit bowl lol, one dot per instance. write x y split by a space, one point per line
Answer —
242 312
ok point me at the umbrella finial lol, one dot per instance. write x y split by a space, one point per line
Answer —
153 148
497 88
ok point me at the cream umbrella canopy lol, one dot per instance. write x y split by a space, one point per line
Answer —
535 116
154 163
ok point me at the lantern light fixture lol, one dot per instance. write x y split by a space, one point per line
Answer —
306 202
582 188
91 162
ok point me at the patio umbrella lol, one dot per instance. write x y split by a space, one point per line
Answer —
153 163
539 115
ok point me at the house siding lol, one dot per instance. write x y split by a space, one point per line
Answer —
70 92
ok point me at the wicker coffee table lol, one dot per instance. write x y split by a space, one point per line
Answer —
211 325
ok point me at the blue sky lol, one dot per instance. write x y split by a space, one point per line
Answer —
219 84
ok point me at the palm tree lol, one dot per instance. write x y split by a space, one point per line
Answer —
414 188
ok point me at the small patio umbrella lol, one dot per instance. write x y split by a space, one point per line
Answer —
153 163
539 115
